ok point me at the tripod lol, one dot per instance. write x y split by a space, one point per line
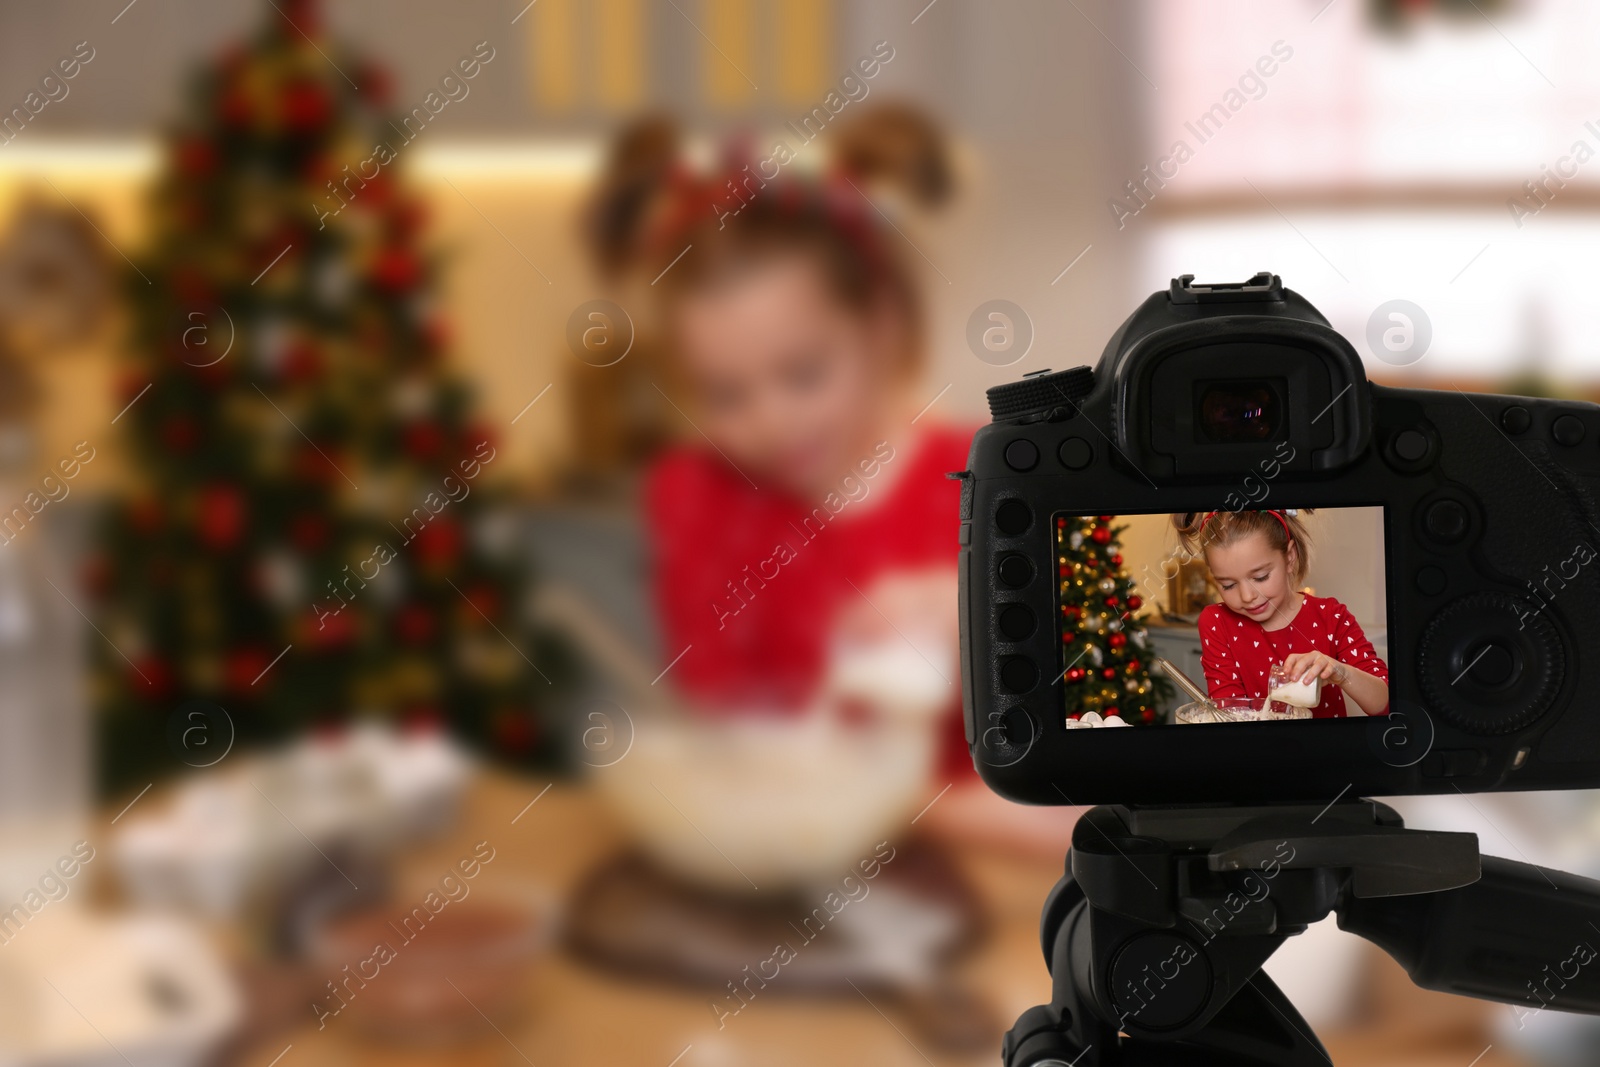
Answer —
1156 934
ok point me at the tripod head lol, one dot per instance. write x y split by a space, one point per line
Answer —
1156 934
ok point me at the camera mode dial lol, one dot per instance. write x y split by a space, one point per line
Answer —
1490 663
1037 394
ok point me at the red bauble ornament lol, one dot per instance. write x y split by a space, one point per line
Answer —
1108 673
1112 710
1146 715
243 666
1061 524
1074 674
1135 602
378 193
396 269
422 440
331 629
1101 534
1112 602
305 106
1068 637
1116 559
439 543
1107 518
300 16
1117 640
151 677
1066 570
220 517
1133 665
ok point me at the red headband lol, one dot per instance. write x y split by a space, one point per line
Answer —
691 199
1275 514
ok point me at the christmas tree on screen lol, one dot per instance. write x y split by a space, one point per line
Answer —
307 530
1104 648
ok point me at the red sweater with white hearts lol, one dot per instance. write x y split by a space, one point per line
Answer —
1237 653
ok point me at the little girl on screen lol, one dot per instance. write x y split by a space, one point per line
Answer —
1258 559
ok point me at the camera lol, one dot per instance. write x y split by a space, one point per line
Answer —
1460 527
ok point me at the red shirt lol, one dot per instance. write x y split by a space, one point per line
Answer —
1237 654
750 579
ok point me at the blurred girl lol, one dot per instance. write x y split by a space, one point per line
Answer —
810 512
1257 559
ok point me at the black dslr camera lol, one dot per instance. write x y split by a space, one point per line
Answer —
1460 529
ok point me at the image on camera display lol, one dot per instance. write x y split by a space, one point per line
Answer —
1222 616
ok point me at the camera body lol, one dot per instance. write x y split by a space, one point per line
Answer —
1240 396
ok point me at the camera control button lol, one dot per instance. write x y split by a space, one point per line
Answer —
1022 455
1446 520
1017 623
1515 419
1015 570
1018 674
1493 665
1430 580
1567 430
1410 445
1075 453
1013 517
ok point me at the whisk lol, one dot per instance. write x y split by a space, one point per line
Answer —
1207 711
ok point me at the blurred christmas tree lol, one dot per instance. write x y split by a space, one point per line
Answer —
1103 644
306 532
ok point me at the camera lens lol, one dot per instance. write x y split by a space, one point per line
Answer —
1240 411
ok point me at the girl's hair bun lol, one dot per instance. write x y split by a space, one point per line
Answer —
636 172
898 145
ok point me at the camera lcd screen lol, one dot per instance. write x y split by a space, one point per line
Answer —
1227 616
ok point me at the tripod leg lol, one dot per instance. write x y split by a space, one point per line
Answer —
1053 1035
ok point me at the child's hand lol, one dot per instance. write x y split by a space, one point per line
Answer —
1303 666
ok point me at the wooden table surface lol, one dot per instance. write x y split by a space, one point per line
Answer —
577 1015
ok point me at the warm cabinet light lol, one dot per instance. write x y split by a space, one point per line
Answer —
569 158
